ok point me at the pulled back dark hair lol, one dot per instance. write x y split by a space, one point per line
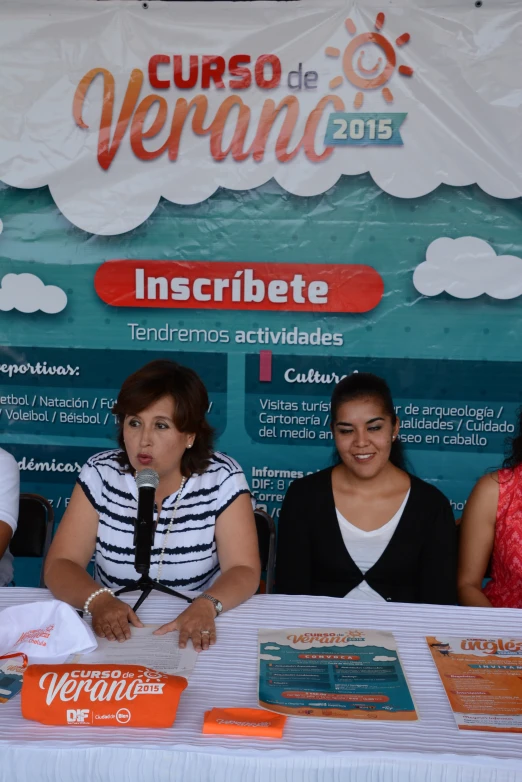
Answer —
166 378
514 446
364 385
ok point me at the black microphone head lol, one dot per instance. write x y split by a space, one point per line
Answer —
147 477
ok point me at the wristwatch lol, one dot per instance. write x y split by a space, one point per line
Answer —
218 605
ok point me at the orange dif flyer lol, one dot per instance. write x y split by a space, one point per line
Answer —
101 695
483 680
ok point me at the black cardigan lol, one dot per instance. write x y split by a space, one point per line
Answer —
419 565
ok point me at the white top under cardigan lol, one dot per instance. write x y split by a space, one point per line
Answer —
190 561
365 548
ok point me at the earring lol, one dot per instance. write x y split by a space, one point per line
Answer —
190 445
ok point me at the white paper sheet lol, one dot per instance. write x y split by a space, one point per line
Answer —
160 652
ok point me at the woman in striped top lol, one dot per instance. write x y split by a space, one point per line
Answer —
205 534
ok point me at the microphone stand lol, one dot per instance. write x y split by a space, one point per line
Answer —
144 529
146 585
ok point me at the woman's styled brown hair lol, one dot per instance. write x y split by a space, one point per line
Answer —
166 378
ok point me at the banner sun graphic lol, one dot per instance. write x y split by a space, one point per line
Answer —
355 61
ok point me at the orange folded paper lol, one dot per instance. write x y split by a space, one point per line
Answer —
128 695
244 722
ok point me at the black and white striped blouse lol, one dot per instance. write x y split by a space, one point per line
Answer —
190 561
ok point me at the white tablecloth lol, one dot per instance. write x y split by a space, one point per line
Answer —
311 750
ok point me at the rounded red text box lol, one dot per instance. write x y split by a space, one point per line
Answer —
239 286
329 657
335 696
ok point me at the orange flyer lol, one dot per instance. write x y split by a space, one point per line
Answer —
101 695
483 680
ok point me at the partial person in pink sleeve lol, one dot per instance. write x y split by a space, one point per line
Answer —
491 533
9 501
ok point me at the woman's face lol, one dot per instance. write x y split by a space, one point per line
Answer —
363 434
152 439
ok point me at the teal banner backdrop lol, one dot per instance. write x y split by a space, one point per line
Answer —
453 364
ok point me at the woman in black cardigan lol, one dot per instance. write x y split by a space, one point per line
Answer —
399 530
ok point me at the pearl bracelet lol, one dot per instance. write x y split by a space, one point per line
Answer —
95 594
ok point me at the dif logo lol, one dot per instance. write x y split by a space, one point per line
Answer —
77 716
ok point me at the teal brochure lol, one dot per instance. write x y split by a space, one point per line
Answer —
331 672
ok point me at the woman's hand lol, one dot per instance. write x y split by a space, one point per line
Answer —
111 617
193 623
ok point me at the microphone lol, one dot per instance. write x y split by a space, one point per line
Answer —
146 481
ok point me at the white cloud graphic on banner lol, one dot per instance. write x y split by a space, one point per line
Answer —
450 135
1 226
27 293
466 268
268 657
381 658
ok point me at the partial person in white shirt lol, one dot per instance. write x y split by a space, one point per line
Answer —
9 501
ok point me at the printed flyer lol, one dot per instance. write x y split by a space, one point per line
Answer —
331 672
12 667
483 681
